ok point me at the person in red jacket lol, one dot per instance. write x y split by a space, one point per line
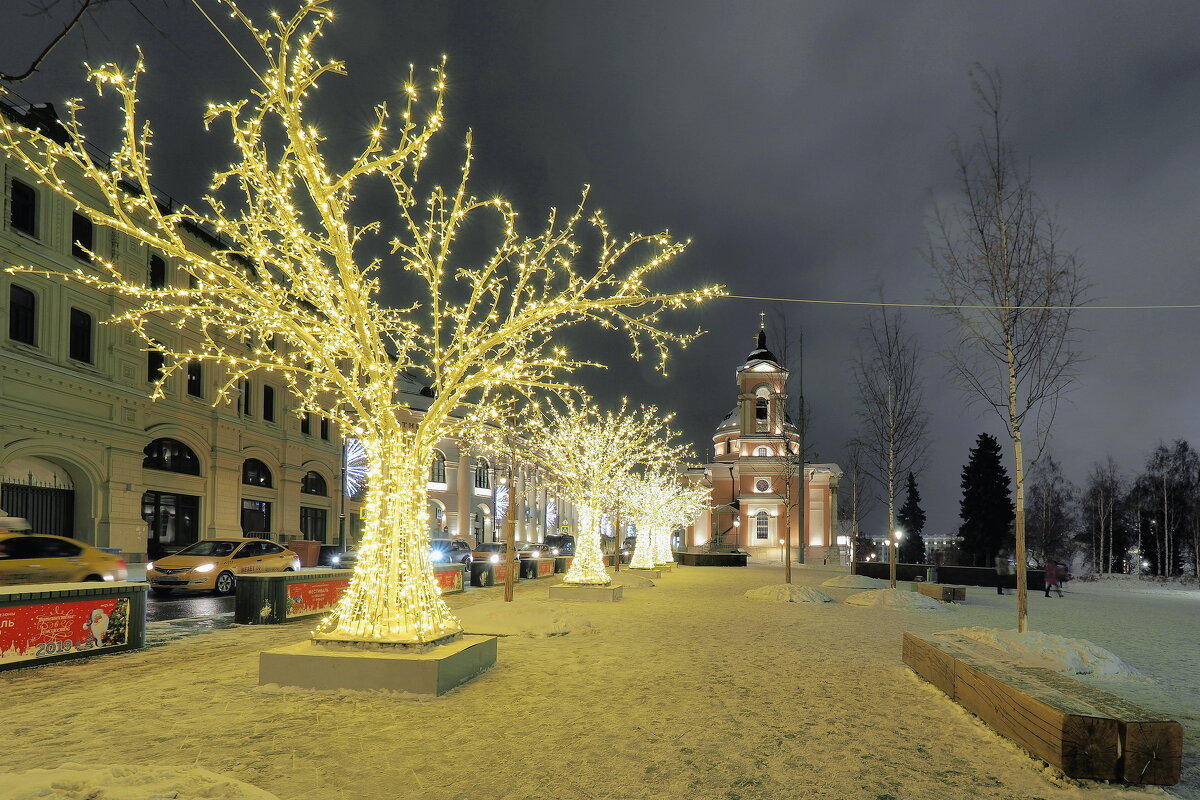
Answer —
1053 578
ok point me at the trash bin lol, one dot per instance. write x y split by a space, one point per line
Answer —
309 551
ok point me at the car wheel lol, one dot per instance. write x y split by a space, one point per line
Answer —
159 591
225 583
466 562
92 578
288 569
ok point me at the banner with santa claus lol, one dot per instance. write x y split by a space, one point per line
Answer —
32 632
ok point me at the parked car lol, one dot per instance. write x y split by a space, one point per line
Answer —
41 558
345 560
535 550
450 551
214 564
562 542
492 552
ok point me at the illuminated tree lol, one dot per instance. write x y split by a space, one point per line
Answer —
598 458
293 293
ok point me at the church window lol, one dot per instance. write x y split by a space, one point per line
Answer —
760 414
762 485
762 525
762 451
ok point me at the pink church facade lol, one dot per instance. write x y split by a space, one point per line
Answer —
758 488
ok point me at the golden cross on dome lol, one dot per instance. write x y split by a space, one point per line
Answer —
762 320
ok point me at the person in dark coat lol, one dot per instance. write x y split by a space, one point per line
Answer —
1002 571
1054 578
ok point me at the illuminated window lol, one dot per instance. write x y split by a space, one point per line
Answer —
171 455
481 475
762 451
313 483
437 470
762 525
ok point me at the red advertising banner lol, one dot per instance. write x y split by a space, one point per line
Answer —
314 597
451 580
30 632
501 571
545 568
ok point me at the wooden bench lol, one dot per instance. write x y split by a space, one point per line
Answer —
943 592
1084 731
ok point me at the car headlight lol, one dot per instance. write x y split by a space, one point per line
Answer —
337 559
494 558
554 551
149 565
437 555
206 568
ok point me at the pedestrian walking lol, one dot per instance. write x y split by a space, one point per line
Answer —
1054 576
1002 571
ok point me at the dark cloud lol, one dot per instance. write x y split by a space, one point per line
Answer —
801 145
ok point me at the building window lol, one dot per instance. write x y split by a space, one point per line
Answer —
155 360
762 451
306 423
760 414
172 521
324 429
762 485
245 398
256 518
268 403
80 339
256 473
171 455
313 483
22 315
22 214
481 475
312 523
437 470
158 272
81 236
195 378
762 525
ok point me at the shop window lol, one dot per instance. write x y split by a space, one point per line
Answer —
171 455
256 518
313 483
256 473
313 522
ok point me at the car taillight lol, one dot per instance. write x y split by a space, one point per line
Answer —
121 563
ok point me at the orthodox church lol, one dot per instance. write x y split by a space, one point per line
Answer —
759 487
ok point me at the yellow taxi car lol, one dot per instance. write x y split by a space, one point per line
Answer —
41 558
214 564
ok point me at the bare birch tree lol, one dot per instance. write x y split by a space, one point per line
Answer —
891 410
1010 292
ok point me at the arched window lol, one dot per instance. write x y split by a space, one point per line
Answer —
437 470
171 455
311 483
762 525
481 475
256 473
760 414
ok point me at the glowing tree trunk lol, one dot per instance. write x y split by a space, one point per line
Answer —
393 595
662 547
643 552
587 566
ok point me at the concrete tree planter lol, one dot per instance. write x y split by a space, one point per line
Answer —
429 669
586 592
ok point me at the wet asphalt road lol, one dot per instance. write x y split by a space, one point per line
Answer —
180 605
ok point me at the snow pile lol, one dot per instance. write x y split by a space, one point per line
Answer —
789 593
1069 656
895 599
79 782
535 619
854 582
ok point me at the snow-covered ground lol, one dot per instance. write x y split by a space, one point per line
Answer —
685 689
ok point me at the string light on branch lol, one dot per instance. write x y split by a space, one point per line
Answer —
288 268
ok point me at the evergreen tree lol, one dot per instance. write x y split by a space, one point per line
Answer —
911 520
986 508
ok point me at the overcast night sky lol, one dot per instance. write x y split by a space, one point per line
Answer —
801 145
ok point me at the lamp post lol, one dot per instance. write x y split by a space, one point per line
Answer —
897 535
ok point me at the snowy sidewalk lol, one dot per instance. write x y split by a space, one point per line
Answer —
684 690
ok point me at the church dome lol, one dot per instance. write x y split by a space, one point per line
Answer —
761 353
730 420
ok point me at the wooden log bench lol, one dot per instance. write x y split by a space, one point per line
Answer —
1084 731
943 592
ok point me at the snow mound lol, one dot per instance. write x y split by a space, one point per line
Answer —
533 619
895 598
789 593
854 582
142 782
1069 656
